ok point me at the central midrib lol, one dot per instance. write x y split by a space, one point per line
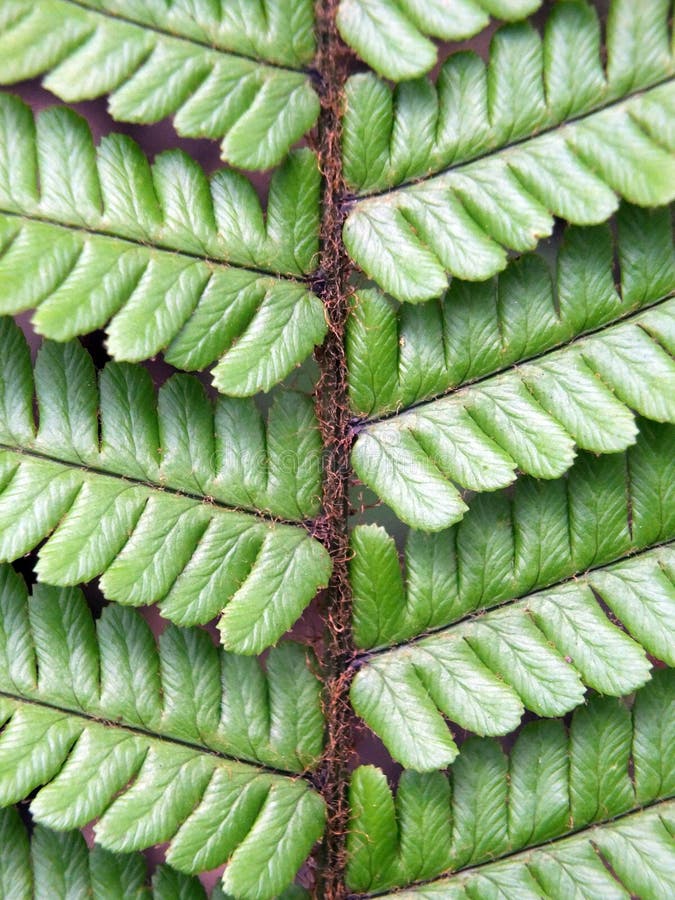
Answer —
148 26
353 199
153 735
254 514
331 283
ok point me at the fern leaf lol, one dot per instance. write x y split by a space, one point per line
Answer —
106 723
537 653
184 689
137 507
530 420
88 237
392 36
153 66
509 401
512 543
462 221
52 864
529 85
554 781
478 329
477 671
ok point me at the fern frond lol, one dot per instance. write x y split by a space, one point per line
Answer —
513 542
538 653
88 236
183 689
392 35
477 671
529 85
511 401
398 357
462 223
137 506
530 420
591 779
156 61
47 864
106 724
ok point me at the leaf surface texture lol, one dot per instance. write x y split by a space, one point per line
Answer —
555 780
166 258
156 60
136 506
97 715
489 180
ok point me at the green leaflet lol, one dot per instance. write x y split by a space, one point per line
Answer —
553 781
281 31
52 170
463 222
538 654
529 85
181 688
48 864
398 357
528 420
157 774
137 506
210 811
52 864
392 35
512 543
156 62
638 848
88 239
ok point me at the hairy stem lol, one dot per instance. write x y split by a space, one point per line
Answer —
331 284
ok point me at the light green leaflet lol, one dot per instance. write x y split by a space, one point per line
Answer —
148 506
528 85
108 725
166 258
392 36
591 778
528 420
401 356
463 222
281 31
156 59
512 543
49 864
540 653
